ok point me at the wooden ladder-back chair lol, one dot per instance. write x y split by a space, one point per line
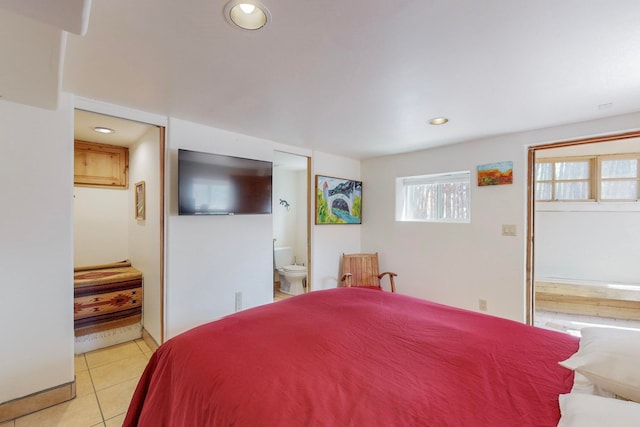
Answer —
362 270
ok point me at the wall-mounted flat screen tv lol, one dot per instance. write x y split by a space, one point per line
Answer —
214 184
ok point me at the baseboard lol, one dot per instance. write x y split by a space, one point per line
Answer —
148 339
37 401
108 338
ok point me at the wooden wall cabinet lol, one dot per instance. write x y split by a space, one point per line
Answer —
100 165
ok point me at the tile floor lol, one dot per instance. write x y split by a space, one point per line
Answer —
105 381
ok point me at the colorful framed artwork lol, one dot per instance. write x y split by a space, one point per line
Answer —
139 200
338 200
495 174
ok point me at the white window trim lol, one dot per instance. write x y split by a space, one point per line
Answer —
559 206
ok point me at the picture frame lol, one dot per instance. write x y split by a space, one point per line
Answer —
140 201
500 173
338 200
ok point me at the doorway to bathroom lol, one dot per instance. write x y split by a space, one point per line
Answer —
291 224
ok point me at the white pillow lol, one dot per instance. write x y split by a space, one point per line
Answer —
610 359
584 410
581 384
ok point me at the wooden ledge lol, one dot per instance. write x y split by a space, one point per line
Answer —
618 301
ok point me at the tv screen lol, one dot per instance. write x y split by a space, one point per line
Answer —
214 184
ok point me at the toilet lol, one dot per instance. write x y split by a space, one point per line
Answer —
291 275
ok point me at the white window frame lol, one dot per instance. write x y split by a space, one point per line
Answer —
596 204
600 179
433 179
553 181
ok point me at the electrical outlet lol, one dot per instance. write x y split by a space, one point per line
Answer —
482 304
238 301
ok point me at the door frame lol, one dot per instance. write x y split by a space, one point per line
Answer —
98 107
531 205
310 194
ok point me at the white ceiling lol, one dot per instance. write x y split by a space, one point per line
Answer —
126 132
361 78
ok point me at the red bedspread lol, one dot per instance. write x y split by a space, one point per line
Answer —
355 357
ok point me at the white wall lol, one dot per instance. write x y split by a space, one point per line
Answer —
100 225
330 241
458 264
208 259
36 259
601 246
301 239
455 264
211 257
144 240
284 221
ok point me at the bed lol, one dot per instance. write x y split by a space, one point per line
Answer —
355 357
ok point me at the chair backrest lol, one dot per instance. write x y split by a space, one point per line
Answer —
363 269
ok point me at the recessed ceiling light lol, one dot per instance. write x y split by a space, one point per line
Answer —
247 14
438 121
101 129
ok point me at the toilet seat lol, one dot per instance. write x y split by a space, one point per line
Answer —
294 268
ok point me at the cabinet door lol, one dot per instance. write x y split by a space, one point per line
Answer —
100 165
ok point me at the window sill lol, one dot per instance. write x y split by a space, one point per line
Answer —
587 206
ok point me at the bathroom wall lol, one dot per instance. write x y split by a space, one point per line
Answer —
145 242
301 243
100 215
284 224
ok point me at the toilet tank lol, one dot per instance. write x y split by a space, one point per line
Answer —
283 256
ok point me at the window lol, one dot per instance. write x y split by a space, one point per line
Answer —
619 178
434 198
596 178
560 179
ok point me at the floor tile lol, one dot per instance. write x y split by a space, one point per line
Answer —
80 412
117 372
115 400
83 383
143 346
114 371
115 421
79 363
111 354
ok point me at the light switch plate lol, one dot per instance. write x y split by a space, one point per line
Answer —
508 229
